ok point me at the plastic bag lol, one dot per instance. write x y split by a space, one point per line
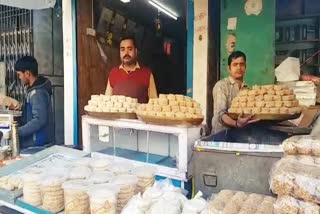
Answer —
52 193
167 186
103 198
121 168
101 164
163 206
152 193
127 184
84 161
32 187
79 172
101 177
288 204
296 179
303 144
137 205
145 176
76 198
195 205
228 201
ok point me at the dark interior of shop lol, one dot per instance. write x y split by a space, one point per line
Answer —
298 33
161 40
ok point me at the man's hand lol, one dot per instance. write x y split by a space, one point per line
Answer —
15 107
244 121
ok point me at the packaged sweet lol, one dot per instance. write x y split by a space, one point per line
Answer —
101 164
302 144
32 187
121 168
127 184
145 176
84 161
228 201
195 205
288 204
163 206
103 198
79 172
300 180
137 205
52 193
76 198
101 177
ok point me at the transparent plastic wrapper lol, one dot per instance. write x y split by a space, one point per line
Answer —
167 186
228 201
296 179
11 182
145 175
163 206
121 168
76 198
137 205
101 177
84 161
101 164
79 172
303 145
52 193
103 198
32 187
152 193
195 205
175 196
290 205
127 184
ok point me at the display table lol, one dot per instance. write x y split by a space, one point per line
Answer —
169 148
7 208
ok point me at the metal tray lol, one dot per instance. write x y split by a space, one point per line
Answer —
277 117
169 121
111 115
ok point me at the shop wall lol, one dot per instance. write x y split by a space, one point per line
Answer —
200 53
254 32
92 71
48 50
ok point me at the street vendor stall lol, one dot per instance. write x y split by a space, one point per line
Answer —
157 138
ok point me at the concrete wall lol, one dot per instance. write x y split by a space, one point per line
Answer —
48 50
255 36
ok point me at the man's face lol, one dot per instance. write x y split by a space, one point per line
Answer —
128 52
24 77
237 68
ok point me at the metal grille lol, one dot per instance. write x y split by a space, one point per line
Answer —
15 42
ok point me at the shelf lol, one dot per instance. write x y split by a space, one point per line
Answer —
297 41
298 17
142 156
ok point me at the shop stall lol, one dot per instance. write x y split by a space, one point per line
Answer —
155 138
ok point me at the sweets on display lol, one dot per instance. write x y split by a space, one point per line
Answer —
171 106
267 99
111 104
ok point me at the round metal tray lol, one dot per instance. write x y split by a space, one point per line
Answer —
277 117
112 115
170 121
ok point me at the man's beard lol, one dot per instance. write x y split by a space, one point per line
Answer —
131 61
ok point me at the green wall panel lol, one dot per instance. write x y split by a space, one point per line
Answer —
255 36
